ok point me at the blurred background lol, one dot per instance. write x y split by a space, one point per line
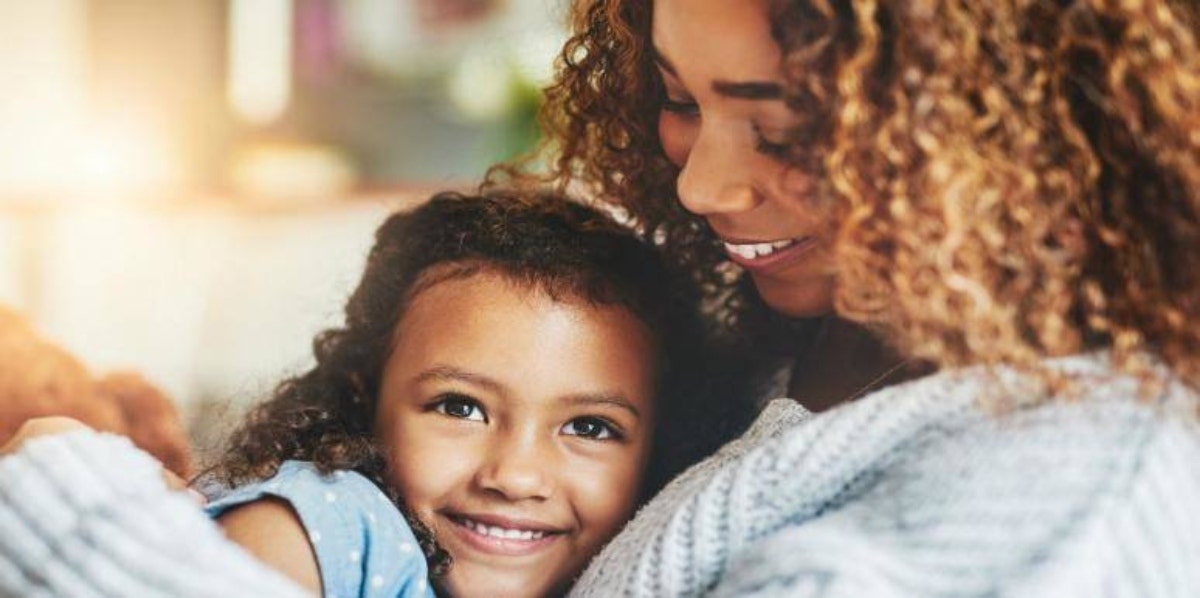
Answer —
188 187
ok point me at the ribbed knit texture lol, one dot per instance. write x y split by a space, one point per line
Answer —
88 514
918 490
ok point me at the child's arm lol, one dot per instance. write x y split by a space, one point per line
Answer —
336 532
270 530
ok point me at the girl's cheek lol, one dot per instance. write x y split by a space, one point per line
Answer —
611 488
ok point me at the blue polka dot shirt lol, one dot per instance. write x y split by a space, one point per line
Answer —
364 546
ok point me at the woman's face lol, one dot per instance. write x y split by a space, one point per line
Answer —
519 429
723 122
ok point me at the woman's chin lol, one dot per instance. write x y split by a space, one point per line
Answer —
800 299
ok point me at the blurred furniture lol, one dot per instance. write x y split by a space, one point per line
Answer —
214 301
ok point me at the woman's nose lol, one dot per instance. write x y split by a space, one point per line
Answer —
517 469
716 177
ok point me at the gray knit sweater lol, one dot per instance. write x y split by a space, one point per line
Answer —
913 491
918 490
85 514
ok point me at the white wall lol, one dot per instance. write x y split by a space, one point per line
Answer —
211 302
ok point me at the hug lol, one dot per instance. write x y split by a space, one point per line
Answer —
798 298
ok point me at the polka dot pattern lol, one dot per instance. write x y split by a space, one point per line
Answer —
363 545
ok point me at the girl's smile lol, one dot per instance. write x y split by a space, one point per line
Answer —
502 536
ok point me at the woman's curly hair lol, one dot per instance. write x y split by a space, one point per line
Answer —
543 243
1011 178
600 125
1015 178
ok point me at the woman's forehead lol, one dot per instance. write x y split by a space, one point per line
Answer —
715 40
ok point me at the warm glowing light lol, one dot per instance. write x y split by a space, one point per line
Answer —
291 172
260 58
44 72
56 144
124 158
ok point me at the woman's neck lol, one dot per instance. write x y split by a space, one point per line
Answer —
842 362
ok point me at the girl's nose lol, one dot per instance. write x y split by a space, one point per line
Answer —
716 177
517 469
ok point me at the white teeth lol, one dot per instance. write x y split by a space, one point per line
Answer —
744 251
752 251
500 532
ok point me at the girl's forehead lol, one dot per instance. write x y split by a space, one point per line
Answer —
527 285
518 345
491 297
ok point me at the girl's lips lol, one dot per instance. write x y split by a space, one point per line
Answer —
752 256
501 540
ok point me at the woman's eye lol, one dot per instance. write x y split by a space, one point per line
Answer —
460 407
590 427
765 146
680 107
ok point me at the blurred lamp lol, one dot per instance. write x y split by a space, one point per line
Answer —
260 58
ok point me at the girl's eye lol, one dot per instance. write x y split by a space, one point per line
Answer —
591 427
460 407
765 146
680 107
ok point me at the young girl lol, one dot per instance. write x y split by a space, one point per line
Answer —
503 378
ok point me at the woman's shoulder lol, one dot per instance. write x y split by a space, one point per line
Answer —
356 534
977 479
999 434
914 464
1080 496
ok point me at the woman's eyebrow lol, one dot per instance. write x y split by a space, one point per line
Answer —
742 90
749 90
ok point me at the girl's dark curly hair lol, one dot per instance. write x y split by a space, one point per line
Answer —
544 243
1010 178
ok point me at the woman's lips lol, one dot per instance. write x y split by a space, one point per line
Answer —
500 537
768 254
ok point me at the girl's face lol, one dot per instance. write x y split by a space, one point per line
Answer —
723 122
518 429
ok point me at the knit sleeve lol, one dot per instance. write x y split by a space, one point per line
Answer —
921 490
1130 532
1145 541
88 514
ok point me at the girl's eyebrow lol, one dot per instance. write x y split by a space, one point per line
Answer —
742 90
612 399
449 372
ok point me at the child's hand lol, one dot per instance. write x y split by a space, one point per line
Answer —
51 426
40 426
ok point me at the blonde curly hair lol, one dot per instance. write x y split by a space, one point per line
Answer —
1015 178
1012 179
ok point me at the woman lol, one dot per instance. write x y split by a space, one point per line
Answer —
1004 192
979 183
